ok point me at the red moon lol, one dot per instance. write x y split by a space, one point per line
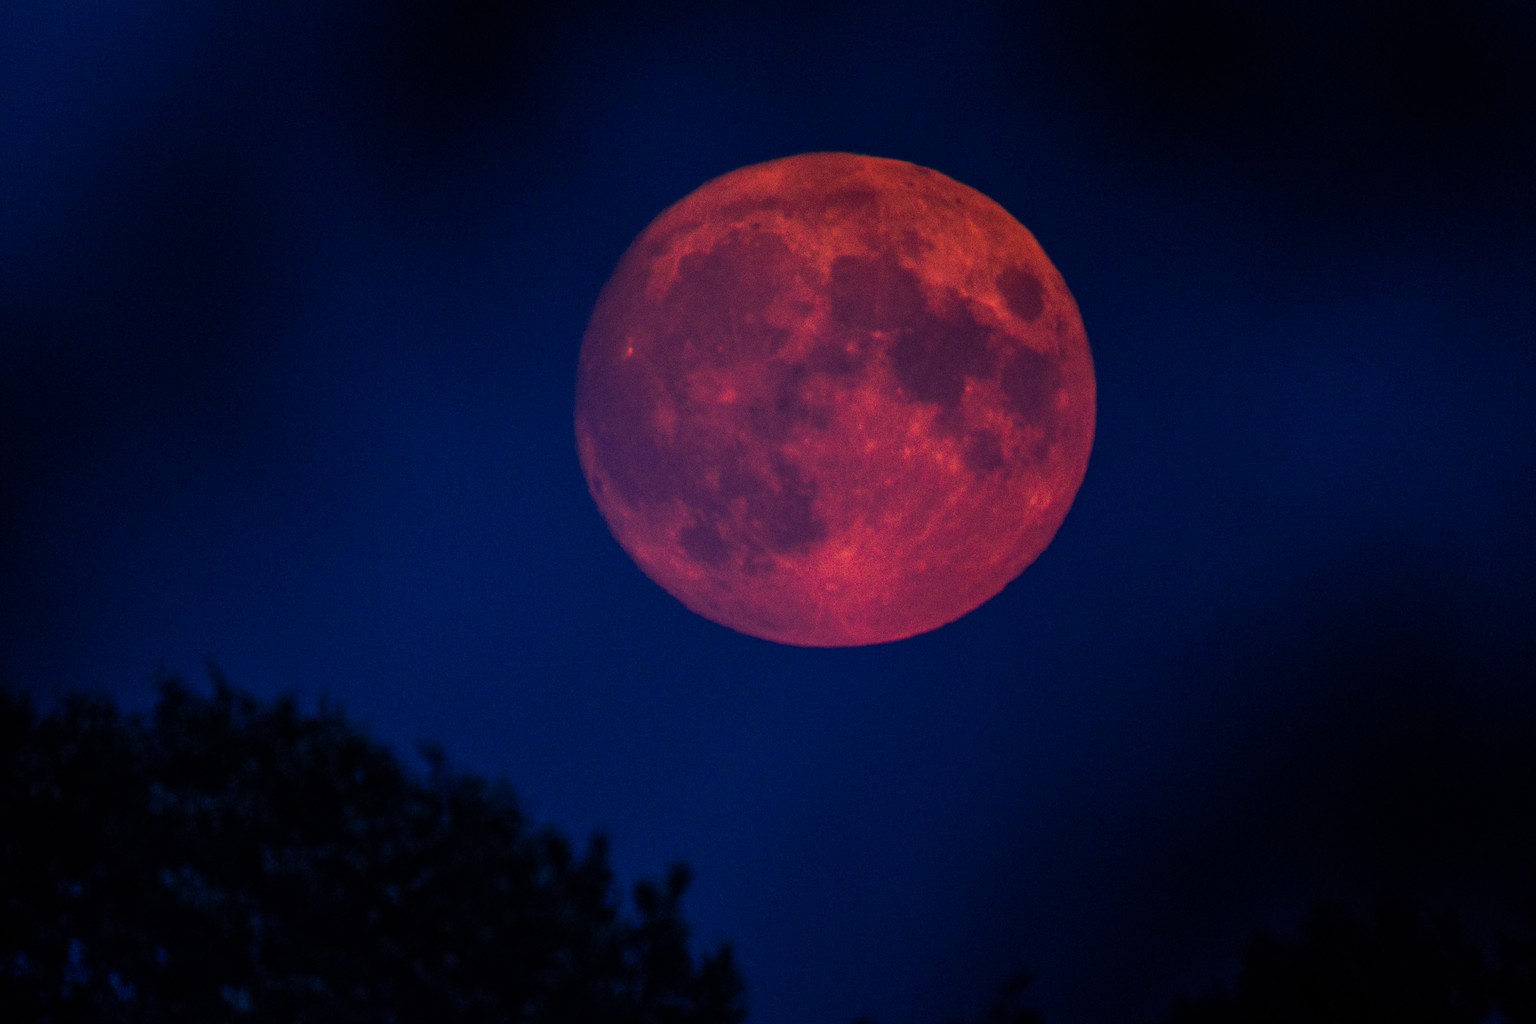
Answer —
834 400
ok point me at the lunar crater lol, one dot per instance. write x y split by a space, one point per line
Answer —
1022 292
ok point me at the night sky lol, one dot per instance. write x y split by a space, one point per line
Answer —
290 307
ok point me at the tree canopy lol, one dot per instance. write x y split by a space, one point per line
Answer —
1392 964
222 857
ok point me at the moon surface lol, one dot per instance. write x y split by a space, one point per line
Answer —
833 400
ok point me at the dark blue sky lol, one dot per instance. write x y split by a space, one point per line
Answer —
290 304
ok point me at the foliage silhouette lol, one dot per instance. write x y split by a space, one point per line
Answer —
223 858
1007 1006
1392 965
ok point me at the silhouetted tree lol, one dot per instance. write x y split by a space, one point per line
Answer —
1392 965
1007 1007
1513 980
223 858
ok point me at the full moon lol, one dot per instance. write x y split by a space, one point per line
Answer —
834 400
